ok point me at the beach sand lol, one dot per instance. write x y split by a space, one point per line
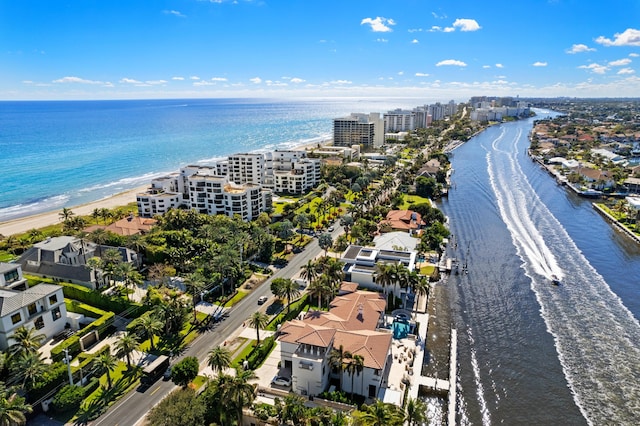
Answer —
27 223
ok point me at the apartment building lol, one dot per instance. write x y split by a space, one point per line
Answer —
399 120
359 129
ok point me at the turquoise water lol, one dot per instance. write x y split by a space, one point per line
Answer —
63 153
401 329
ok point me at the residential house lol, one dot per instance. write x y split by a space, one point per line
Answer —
130 225
41 307
11 276
404 220
598 179
351 324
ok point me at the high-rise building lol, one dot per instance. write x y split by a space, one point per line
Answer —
359 129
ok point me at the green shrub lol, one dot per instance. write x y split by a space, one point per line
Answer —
96 298
68 398
296 308
93 384
260 353
73 343
53 376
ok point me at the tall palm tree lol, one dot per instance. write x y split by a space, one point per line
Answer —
110 259
383 276
285 288
380 414
258 320
106 363
415 412
309 271
195 284
30 367
126 345
240 393
12 407
336 360
66 214
219 358
151 326
320 288
355 366
128 274
27 340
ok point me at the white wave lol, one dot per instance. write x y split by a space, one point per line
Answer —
484 409
125 183
28 209
596 336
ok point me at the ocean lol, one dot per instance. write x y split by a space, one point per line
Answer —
59 154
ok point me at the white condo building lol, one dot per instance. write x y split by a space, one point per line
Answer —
359 129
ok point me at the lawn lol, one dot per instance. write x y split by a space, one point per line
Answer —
409 200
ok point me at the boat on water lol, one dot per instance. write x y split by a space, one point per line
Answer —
555 280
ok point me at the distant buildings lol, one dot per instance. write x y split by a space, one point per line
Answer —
242 184
495 109
359 129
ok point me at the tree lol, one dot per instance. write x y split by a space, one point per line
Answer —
240 393
195 284
258 320
128 274
180 408
65 215
355 365
150 326
346 222
325 241
309 271
27 341
110 259
285 288
126 345
12 407
29 366
106 363
379 414
184 371
320 288
336 360
415 412
219 358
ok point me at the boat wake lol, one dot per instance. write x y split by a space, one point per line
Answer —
596 337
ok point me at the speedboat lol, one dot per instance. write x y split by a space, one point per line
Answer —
555 280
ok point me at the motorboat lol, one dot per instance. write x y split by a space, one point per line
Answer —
555 280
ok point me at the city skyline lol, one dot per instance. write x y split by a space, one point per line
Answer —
275 48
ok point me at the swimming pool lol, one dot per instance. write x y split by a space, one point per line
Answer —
401 328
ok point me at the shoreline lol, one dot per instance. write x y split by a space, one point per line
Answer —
39 220
24 224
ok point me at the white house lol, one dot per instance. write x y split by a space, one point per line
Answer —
41 307
351 324
11 276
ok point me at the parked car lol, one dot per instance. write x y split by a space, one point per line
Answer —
281 381
330 229
262 300
167 374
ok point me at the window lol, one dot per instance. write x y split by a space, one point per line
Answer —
32 309
11 276
39 323
53 299
55 314
16 318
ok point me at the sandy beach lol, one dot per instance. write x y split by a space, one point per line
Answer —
24 224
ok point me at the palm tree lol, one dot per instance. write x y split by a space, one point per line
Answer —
285 288
239 392
325 241
27 341
336 360
219 358
354 365
320 288
30 366
110 259
383 276
309 271
415 412
66 215
126 345
106 363
258 320
128 274
379 414
151 326
195 284
12 407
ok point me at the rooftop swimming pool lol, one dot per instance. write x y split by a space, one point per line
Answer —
401 328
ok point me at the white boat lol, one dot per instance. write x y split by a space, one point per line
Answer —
555 280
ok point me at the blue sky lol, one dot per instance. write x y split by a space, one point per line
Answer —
431 49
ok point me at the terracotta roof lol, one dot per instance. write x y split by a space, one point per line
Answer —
296 331
131 225
373 346
402 219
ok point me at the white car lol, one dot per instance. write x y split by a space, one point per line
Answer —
262 300
281 381
330 229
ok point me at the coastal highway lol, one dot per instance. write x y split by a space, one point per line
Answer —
132 408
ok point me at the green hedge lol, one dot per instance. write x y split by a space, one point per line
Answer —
73 343
54 375
260 353
296 308
68 398
95 298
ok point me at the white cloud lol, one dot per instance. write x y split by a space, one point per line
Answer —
453 62
155 82
379 24
486 66
579 48
539 64
435 28
340 82
77 80
177 78
620 62
194 77
626 71
218 79
415 41
174 13
634 55
382 40
415 30
202 83
630 37
129 81
422 74
256 80
435 15
499 66
297 80
400 72
595 68
466 24
449 29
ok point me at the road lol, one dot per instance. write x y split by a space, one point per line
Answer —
132 408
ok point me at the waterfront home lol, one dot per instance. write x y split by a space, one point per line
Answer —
11 276
404 220
130 225
41 307
65 259
352 325
599 179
